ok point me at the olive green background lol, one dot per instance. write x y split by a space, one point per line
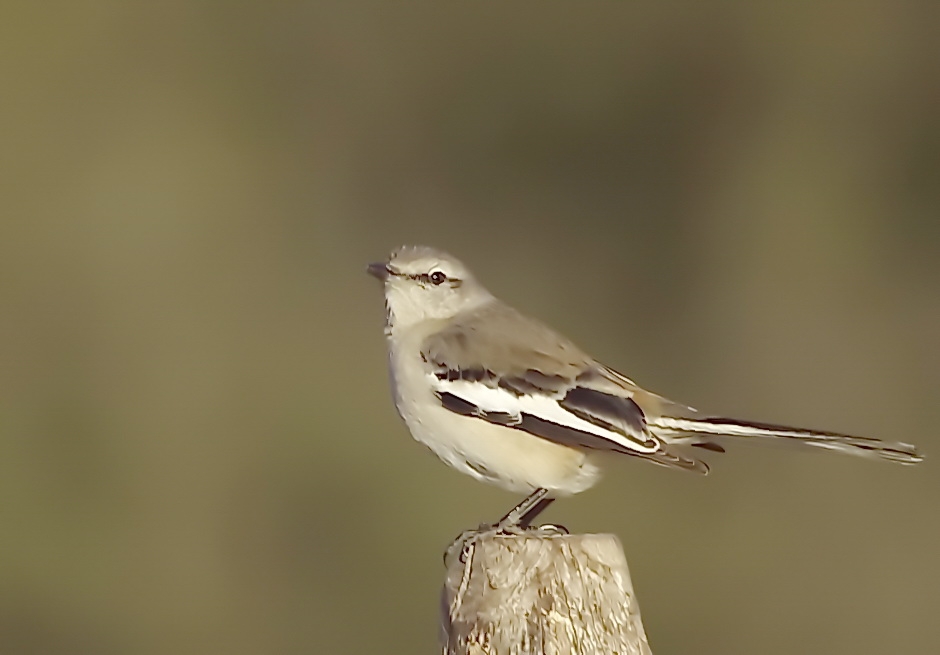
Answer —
737 204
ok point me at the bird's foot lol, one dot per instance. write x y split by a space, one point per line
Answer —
515 529
460 547
546 530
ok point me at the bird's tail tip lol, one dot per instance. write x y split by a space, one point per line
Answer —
684 429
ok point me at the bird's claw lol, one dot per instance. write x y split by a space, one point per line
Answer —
460 546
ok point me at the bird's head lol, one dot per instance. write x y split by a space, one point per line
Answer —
422 283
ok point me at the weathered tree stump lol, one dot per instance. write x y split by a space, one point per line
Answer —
520 595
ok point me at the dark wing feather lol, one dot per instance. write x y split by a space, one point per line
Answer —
486 349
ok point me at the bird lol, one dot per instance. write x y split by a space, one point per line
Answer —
507 400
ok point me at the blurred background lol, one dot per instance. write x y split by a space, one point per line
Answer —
736 205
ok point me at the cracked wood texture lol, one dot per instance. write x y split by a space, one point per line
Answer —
521 595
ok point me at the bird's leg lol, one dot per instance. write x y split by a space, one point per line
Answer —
522 515
518 521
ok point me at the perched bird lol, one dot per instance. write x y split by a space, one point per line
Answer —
505 399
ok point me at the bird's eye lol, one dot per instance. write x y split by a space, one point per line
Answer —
437 277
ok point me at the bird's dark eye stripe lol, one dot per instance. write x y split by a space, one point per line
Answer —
436 278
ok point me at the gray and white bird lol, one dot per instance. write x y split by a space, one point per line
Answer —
507 400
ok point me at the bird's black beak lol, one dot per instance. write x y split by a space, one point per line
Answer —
378 270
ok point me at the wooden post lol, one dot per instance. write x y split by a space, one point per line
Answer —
545 595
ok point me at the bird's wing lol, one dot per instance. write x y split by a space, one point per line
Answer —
503 367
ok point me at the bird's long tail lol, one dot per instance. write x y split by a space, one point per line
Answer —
696 431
